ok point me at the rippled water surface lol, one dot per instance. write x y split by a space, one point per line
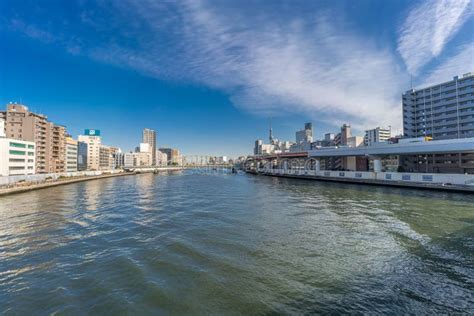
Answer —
187 243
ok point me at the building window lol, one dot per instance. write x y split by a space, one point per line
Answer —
16 168
16 160
17 152
18 145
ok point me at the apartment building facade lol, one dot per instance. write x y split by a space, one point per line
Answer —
49 138
93 140
441 111
376 135
17 157
149 137
71 154
106 160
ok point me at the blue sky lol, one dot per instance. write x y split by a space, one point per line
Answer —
208 74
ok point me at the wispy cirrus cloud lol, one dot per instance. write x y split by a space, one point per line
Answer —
305 65
307 62
428 28
460 63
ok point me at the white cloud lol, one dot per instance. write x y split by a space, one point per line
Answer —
427 29
459 64
308 65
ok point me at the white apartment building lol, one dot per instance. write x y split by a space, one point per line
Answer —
441 111
128 160
71 155
161 159
17 157
93 140
138 159
376 135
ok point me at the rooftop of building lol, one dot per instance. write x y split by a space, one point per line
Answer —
460 77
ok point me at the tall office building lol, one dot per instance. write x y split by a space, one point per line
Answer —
345 134
49 138
441 111
149 137
93 140
81 156
305 135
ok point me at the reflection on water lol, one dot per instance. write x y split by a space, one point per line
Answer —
197 244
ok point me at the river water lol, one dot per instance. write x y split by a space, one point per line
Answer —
187 243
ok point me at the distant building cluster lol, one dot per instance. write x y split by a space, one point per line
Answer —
31 144
438 112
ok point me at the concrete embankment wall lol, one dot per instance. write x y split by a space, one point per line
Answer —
18 184
41 178
457 182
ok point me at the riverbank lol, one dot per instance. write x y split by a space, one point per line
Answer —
58 179
394 183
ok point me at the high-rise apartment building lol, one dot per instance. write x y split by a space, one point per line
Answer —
93 140
441 111
71 154
149 137
49 138
376 135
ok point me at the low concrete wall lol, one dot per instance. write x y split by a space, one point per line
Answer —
41 178
434 178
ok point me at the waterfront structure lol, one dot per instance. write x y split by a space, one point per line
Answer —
219 160
402 148
93 140
142 159
128 160
441 111
81 156
174 156
149 137
106 161
161 159
49 138
137 159
71 154
56 142
376 135
118 157
17 157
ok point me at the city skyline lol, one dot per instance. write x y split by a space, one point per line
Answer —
111 79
